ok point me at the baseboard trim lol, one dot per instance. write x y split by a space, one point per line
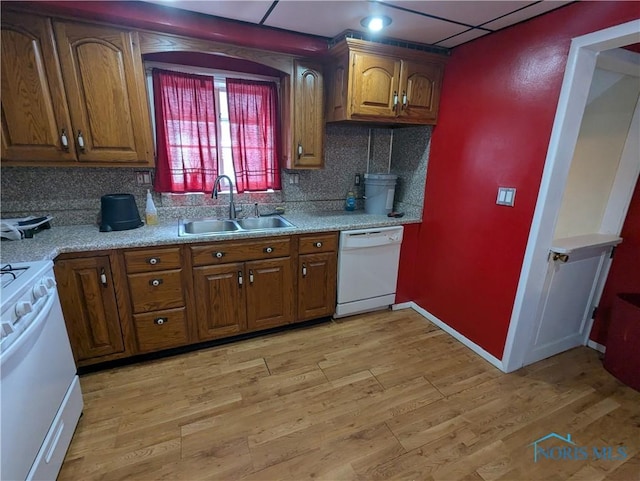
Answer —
402 305
598 347
452 332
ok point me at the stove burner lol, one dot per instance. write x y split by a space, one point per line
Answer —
14 272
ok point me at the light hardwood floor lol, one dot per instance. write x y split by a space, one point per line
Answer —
372 397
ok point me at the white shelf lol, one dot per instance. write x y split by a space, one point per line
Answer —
567 245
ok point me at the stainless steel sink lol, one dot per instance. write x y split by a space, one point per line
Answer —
259 223
189 227
206 226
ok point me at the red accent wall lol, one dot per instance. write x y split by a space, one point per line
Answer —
497 108
624 275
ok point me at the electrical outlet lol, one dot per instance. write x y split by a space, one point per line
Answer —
143 177
356 180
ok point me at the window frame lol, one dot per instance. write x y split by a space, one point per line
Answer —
218 76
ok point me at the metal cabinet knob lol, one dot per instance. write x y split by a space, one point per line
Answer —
318 244
158 321
155 282
153 261
219 255
268 250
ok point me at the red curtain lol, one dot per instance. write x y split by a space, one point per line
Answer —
185 132
255 136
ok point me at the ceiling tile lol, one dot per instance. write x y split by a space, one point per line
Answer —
462 38
247 11
470 13
525 14
316 18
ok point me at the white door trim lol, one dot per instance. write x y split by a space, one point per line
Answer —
581 65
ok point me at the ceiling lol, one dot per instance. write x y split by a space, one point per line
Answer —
441 23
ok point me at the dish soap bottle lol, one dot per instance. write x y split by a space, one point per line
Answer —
150 213
350 203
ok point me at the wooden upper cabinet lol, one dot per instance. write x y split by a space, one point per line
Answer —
381 83
72 94
34 104
308 116
375 80
103 72
420 94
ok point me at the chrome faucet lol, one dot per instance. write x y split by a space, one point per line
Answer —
216 185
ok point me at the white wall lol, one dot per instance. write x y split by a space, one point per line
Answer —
603 132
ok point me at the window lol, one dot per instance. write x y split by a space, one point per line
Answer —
212 125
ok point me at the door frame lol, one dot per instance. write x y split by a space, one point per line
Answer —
581 64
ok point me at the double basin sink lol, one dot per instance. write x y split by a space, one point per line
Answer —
189 227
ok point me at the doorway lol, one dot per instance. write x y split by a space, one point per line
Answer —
579 73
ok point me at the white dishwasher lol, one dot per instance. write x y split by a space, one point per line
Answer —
367 269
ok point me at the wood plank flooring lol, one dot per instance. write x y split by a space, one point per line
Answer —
372 397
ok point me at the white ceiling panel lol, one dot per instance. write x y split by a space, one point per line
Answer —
470 13
248 11
320 18
463 37
525 14
329 18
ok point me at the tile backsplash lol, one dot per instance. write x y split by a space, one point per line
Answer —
72 195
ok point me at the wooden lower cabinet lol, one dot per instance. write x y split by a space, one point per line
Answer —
89 305
220 296
121 303
316 285
270 296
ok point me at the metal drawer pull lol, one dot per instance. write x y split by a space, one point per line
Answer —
153 261
80 140
304 270
218 255
395 99
318 244
64 140
240 278
103 277
250 276
158 321
268 250
300 151
404 99
155 282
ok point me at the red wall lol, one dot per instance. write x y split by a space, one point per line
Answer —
624 275
497 108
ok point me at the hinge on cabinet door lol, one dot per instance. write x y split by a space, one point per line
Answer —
613 251
593 314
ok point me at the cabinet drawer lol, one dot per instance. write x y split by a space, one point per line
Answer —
161 329
310 244
223 252
151 260
156 290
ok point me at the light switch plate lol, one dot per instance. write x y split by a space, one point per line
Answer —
506 196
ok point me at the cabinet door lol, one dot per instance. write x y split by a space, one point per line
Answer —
420 91
89 305
270 296
220 294
316 285
103 73
374 80
308 125
34 105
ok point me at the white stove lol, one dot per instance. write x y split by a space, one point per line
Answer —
40 397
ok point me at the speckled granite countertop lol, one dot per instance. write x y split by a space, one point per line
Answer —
77 238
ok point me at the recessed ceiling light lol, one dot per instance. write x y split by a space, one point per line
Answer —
375 23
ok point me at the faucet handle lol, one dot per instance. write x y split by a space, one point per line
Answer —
256 211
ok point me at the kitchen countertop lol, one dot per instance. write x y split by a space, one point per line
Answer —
48 244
